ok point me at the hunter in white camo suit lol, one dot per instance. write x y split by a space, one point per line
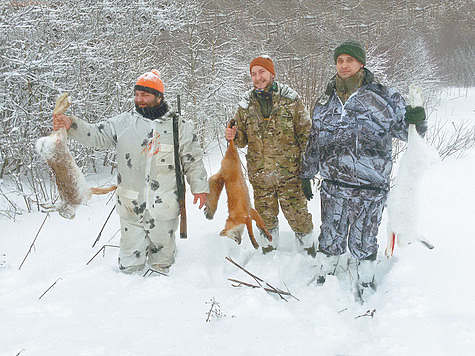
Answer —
147 201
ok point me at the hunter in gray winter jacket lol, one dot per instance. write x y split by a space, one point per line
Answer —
351 144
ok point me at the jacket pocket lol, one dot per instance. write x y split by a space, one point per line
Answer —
128 202
164 160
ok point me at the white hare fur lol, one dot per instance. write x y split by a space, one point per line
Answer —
402 204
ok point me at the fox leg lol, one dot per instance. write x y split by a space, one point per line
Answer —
260 223
216 184
250 232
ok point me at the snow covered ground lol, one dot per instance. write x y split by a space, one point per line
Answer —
425 304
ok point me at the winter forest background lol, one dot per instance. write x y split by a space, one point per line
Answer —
96 50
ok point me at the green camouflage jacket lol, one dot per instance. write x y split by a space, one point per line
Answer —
275 146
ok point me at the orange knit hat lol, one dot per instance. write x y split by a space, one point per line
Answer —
150 82
263 61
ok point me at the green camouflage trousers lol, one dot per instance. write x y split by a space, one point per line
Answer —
288 193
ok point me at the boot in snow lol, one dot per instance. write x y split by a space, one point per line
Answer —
326 265
306 243
131 269
160 268
268 246
365 285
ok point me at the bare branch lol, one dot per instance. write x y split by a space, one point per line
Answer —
368 313
103 226
34 240
258 280
103 249
46 291
151 271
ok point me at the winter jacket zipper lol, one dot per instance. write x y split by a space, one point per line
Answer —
343 113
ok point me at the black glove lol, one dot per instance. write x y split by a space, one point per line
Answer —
415 115
307 188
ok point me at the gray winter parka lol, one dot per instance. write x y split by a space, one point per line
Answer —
352 143
145 160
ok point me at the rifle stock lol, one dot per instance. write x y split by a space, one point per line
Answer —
183 229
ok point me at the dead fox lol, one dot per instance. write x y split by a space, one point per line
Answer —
239 204
70 181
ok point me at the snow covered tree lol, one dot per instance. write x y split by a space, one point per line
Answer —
96 50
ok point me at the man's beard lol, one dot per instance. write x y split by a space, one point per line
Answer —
155 112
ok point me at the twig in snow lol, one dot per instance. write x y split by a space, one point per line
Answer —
20 352
270 290
103 248
46 291
115 234
103 226
214 310
34 240
151 271
368 313
258 280
110 198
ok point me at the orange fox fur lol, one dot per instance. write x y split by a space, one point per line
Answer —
239 204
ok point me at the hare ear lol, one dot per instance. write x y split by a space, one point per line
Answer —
415 96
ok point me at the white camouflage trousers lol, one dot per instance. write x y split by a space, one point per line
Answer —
146 239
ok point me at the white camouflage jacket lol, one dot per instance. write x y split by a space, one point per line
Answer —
145 160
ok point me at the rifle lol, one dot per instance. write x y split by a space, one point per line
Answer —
180 179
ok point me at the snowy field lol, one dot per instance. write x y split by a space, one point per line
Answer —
425 303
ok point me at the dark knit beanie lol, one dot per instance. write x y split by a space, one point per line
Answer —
352 48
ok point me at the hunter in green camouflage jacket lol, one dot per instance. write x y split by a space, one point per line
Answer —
275 148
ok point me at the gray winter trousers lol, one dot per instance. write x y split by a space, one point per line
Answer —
350 216
145 239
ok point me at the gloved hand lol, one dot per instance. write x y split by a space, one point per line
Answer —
415 115
307 188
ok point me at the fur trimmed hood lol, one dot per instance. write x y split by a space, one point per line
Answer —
282 90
